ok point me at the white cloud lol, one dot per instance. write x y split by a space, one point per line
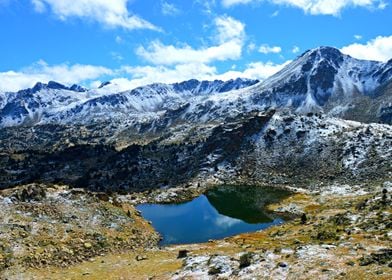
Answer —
230 39
266 49
208 5
178 63
379 49
113 13
128 77
143 75
116 56
229 3
317 7
119 40
251 47
254 70
160 54
169 64
295 50
169 9
229 29
358 37
382 5
42 72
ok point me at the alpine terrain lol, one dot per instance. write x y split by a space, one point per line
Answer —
74 162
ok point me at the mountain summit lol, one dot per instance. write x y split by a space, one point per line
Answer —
320 80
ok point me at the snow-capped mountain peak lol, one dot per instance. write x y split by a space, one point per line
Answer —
56 103
320 80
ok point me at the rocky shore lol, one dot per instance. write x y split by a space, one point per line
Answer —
53 225
341 232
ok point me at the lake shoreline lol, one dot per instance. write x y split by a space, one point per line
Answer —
342 228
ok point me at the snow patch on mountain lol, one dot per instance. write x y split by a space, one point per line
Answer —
321 80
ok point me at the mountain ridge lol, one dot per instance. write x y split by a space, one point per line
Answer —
293 128
320 80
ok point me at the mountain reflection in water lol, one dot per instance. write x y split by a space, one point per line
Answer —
221 212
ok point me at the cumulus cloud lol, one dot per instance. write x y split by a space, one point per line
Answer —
113 13
177 63
295 50
254 70
143 75
128 77
42 72
207 5
379 49
266 49
229 3
168 64
229 38
158 53
169 9
317 7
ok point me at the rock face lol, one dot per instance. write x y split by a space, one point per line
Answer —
270 148
57 104
320 80
53 225
282 130
325 80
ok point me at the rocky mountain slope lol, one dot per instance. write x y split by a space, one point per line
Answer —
80 159
57 104
253 148
320 80
328 81
281 130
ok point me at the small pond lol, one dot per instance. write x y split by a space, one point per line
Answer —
221 212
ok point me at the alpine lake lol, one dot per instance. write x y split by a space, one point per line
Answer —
220 212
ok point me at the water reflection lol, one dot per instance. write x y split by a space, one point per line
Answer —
221 212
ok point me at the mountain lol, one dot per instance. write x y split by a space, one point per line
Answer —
316 119
268 148
325 80
320 80
56 103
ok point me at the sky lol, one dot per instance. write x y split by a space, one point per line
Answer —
137 42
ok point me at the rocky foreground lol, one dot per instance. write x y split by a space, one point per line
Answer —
341 232
54 226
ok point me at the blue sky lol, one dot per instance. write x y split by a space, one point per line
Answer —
137 42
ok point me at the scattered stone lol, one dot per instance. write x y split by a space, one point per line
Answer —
87 245
141 258
182 254
350 263
282 264
214 270
32 192
246 260
304 219
292 208
103 196
382 257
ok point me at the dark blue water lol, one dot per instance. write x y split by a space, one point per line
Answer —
221 212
